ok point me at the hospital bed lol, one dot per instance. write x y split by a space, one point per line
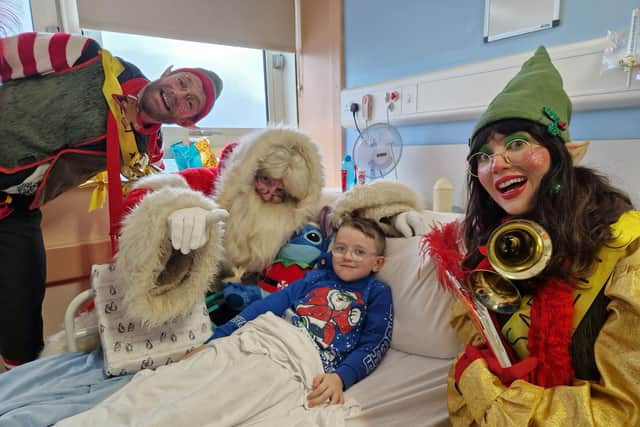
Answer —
409 386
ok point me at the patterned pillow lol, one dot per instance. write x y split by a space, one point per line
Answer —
130 345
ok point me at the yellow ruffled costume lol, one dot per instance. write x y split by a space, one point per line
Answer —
482 400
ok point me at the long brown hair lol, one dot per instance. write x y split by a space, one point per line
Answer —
576 205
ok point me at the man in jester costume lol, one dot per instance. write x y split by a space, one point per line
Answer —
69 111
574 354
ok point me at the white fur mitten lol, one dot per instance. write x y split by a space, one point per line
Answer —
188 227
409 223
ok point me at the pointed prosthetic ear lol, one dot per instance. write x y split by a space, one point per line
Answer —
166 72
577 150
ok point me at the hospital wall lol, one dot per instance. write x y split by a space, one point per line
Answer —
74 240
389 40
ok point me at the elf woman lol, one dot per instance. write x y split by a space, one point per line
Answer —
574 339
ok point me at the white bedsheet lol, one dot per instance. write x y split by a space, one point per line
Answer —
405 391
259 376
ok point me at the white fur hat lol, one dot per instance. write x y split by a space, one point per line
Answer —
377 201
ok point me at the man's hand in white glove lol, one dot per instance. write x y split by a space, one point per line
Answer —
189 227
409 223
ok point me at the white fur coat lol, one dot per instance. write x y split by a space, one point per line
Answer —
256 230
162 282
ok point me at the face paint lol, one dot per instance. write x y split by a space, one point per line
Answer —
535 158
531 156
516 149
512 175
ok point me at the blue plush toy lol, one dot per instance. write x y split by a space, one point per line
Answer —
297 256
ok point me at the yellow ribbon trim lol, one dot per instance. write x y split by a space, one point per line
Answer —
128 148
625 230
112 69
100 191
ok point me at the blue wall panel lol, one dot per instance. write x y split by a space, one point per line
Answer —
392 39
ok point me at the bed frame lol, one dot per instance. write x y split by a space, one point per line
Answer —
71 334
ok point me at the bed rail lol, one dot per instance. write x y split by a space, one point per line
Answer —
72 335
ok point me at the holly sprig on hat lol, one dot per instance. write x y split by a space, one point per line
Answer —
557 126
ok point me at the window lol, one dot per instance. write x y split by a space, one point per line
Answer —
243 102
15 17
259 86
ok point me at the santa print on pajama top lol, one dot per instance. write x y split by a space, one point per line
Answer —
350 322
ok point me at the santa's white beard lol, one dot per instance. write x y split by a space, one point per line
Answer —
256 230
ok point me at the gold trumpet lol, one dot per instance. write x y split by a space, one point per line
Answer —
518 249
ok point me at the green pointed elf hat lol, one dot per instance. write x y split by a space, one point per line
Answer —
536 94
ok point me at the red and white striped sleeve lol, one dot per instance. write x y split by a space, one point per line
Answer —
28 54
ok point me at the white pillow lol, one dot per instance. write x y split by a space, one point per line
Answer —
422 308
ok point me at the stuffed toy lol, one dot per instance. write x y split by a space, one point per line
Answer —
294 259
297 256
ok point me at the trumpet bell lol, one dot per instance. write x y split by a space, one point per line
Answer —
494 292
519 249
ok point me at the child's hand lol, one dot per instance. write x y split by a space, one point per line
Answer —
326 388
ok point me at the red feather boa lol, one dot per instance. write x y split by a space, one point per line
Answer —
441 244
550 333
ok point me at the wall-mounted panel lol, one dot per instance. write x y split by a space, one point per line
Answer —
462 93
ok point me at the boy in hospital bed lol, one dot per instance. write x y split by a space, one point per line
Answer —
265 370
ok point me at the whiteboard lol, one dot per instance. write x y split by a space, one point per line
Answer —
507 18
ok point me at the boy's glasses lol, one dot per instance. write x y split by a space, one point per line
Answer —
515 153
357 254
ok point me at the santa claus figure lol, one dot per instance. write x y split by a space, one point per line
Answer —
269 182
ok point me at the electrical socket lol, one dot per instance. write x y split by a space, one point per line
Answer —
346 108
394 101
366 109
